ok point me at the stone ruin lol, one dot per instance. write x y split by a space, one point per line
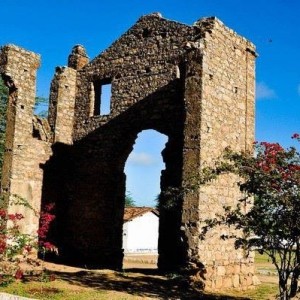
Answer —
195 84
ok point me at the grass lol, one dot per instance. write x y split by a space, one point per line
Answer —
262 258
264 265
263 291
58 290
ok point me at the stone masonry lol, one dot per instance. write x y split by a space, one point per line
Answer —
23 155
194 84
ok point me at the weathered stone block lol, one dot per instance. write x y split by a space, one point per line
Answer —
221 270
227 282
236 281
219 282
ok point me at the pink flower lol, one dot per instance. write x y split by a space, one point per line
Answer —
2 213
2 244
19 274
28 248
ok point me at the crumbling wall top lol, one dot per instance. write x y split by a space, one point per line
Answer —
78 57
12 52
209 24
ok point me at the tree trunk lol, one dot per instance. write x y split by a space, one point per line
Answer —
294 282
283 287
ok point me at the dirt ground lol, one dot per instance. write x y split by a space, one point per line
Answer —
139 278
138 261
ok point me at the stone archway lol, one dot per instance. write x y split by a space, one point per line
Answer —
91 187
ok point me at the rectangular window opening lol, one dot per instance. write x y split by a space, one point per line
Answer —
102 97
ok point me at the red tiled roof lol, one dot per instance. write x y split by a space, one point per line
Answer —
133 212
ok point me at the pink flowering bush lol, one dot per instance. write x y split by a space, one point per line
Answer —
46 218
17 247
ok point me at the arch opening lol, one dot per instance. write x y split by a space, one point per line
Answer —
143 167
143 170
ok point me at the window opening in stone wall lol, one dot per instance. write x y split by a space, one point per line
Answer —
143 173
102 90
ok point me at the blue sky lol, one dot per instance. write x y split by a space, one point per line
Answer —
52 28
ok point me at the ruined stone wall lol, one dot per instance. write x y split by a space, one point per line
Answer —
62 102
62 96
227 119
144 69
147 88
142 61
194 84
24 154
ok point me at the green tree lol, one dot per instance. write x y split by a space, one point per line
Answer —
271 190
41 106
129 202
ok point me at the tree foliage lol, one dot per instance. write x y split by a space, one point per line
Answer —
270 183
129 201
41 106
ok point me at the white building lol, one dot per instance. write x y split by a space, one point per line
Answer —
140 230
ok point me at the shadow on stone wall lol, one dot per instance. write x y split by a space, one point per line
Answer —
87 183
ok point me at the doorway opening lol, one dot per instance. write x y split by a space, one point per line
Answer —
141 216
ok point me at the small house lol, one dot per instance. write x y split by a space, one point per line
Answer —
140 230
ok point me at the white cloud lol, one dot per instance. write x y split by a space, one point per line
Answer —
264 92
141 158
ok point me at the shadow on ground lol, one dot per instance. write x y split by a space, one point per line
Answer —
137 282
